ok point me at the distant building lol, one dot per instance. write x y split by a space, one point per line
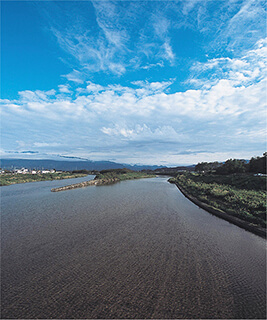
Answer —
21 171
45 171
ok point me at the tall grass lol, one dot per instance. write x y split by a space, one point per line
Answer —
121 175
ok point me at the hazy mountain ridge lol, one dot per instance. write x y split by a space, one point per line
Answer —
69 165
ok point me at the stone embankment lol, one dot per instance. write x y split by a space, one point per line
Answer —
95 182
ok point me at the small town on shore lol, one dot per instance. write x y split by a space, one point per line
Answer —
29 171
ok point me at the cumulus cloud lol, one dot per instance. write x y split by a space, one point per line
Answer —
145 120
92 87
64 88
143 133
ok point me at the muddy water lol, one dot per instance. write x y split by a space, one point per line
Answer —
136 249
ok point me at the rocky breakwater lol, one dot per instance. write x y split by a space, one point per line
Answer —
95 182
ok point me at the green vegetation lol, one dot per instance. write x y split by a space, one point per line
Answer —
207 166
240 195
7 179
121 174
255 165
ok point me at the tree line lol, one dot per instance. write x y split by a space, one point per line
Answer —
255 165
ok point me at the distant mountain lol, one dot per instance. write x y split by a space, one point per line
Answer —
68 165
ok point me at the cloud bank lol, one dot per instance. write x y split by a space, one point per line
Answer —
226 115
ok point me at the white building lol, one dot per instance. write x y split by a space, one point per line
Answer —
45 171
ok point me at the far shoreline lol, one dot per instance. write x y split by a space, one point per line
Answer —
8 180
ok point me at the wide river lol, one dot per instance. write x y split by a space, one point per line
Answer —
135 249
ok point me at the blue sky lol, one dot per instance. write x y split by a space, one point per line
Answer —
147 82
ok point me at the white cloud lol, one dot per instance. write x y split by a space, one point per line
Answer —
75 76
36 96
145 134
248 22
161 26
94 52
114 37
64 88
151 87
108 15
247 69
92 87
153 65
45 144
225 97
123 119
168 52
111 43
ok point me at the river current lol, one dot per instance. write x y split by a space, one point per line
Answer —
135 249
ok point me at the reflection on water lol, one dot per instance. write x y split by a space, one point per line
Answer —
135 249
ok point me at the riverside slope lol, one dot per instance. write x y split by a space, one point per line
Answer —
260 231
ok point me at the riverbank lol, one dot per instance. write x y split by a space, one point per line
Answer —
8 179
245 208
106 177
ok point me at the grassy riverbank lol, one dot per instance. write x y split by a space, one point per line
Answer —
7 179
239 195
122 174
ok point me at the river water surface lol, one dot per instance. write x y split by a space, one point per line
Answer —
135 249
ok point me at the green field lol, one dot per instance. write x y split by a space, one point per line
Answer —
240 195
7 179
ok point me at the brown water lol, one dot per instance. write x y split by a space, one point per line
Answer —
136 249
